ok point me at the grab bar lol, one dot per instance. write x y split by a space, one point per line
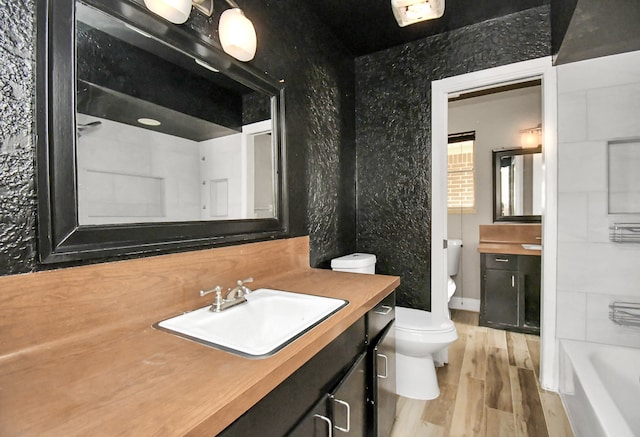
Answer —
625 313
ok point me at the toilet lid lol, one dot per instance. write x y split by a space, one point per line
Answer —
418 320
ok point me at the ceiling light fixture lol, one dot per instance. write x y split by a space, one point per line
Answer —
149 121
412 11
236 31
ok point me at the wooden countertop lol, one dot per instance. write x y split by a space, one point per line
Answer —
507 238
507 248
131 379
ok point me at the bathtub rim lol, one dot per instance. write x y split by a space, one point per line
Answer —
578 353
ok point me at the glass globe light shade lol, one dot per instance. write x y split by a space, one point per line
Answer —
237 35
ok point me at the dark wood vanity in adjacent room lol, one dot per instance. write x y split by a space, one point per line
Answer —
510 269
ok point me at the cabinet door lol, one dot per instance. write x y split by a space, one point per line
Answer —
501 297
530 269
282 408
316 423
380 317
384 383
348 401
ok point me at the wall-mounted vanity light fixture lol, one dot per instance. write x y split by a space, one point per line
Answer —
177 11
531 137
412 11
236 31
237 35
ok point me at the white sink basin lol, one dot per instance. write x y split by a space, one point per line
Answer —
532 246
268 321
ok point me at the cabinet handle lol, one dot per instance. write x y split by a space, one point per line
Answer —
502 260
326 419
348 408
385 366
513 281
384 310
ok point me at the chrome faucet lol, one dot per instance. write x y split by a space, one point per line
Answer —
234 296
240 290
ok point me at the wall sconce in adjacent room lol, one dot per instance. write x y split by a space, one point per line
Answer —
412 11
236 31
531 137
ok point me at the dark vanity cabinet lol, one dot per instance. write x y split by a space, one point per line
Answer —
341 412
510 292
316 423
348 401
381 386
346 389
382 399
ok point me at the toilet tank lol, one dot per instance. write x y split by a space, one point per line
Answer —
454 248
355 263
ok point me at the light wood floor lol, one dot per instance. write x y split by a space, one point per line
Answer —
489 388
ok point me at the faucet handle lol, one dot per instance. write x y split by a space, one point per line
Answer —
241 289
243 281
216 290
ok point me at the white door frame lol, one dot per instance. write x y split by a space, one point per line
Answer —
543 69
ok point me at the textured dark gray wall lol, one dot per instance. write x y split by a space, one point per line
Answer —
320 108
17 192
393 131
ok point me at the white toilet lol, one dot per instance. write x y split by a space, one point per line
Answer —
419 340
355 263
454 248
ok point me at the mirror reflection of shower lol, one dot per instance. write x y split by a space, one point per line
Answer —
86 128
130 174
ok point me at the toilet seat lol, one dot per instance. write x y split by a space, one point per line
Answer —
420 321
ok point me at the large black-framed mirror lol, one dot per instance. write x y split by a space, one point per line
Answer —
114 80
517 185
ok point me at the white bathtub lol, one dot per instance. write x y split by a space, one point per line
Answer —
600 387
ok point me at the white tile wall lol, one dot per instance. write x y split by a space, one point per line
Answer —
572 217
572 116
598 101
572 312
165 169
598 217
223 162
602 72
582 166
613 112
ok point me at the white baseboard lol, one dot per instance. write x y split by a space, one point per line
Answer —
466 304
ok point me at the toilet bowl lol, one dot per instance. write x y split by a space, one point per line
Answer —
420 342
418 339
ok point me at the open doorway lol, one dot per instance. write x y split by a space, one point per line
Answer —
483 125
442 90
